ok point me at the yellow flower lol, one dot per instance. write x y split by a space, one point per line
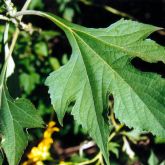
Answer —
51 129
32 163
39 163
62 163
65 163
40 153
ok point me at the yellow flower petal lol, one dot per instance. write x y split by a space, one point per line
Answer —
41 152
56 129
51 124
39 163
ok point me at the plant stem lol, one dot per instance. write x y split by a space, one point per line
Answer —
14 40
42 14
107 8
2 17
112 136
9 51
5 40
27 3
17 30
117 130
6 51
112 117
97 157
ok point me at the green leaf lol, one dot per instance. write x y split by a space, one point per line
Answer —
100 64
159 140
153 160
41 49
54 63
37 4
162 163
49 34
68 13
114 148
78 159
64 59
16 115
29 81
1 158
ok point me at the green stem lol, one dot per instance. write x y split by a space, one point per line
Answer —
112 136
6 50
107 8
2 17
116 132
27 3
97 157
14 40
42 14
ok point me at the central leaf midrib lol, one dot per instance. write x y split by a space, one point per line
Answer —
12 120
92 98
116 73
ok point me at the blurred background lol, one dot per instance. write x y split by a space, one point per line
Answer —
46 48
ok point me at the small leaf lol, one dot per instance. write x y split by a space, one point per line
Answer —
159 140
162 163
114 148
37 4
49 34
41 49
153 160
68 13
54 63
78 159
1 158
16 115
65 59
29 81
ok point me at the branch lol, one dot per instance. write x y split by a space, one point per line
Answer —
89 147
2 17
15 37
107 8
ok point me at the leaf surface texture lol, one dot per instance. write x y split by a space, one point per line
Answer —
100 65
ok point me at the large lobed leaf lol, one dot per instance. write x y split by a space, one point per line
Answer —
16 115
100 64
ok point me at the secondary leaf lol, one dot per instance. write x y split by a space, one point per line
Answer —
29 81
114 148
1 159
41 49
16 115
101 64
153 160
162 163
